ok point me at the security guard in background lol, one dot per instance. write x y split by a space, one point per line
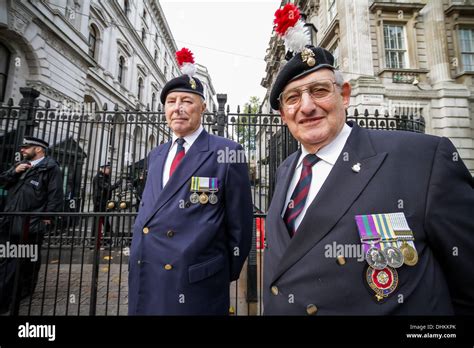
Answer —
34 185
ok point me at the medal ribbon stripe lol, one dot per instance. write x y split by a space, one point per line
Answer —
388 235
380 227
400 224
367 231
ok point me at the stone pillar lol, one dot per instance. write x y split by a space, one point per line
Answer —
437 49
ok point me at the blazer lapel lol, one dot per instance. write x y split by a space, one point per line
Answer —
190 163
279 197
157 182
340 190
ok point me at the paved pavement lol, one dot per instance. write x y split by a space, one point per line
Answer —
64 285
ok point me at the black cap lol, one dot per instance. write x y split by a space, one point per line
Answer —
182 83
33 141
309 60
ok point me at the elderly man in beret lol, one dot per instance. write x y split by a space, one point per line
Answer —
404 200
193 230
34 185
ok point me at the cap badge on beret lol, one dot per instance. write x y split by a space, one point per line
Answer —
307 56
186 82
302 57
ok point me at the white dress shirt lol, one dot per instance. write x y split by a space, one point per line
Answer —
188 142
36 162
320 171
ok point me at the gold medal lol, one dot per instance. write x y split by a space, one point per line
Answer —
409 254
203 198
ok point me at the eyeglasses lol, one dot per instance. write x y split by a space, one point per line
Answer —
318 90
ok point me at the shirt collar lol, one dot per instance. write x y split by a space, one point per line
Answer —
190 138
330 152
35 162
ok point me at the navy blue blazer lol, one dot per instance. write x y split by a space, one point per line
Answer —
419 175
183 256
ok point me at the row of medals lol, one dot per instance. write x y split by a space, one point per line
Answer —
392 256
203 198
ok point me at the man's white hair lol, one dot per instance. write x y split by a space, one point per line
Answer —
339 78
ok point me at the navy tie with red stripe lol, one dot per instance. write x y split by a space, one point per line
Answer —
180 152
298 198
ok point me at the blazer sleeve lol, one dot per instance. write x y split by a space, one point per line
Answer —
238 215
449 223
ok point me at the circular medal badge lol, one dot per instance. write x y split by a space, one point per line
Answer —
382 281
394 257
194 198
212 198
203 198
410 255
375 258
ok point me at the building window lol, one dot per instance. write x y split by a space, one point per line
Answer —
335 52
155 56
331 9
466 40
126 7
140 89
4 65
144 14
153 101
143 34
156 37
92 41
165 71
395 47
121 69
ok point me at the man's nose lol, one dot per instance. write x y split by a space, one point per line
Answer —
308 106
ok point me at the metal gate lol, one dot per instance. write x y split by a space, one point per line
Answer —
85 271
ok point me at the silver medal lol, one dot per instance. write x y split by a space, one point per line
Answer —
212 198
393 256
194 198
375 258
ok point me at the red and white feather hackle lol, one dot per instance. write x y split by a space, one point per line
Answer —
185 60
289 26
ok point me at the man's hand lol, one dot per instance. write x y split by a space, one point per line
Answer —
22 167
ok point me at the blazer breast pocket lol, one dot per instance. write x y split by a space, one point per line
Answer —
205 269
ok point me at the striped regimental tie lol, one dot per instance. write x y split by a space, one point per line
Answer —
298 198
179 155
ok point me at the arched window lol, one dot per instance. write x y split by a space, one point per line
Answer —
153 101
92 41
140 89
151 141
155 56
143 34
4 64
144 14
121 68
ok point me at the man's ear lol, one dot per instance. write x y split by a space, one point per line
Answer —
346 94
203 107
283 116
